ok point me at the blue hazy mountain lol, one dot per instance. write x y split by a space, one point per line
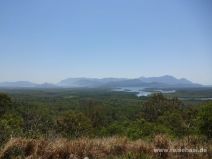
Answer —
160 82
147 82
24 84
88 82
46 85
167 79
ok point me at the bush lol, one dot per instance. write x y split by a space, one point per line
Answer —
74 124
157 105
10 125
139 129
175 122
205 120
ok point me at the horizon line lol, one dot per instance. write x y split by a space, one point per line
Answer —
31 81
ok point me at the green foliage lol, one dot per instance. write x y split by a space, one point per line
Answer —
10 125
205 120
160 128
74 124
175 122
99 112
5 101
134 129
37 122
157 105
189 116
95 111
116 128
139 129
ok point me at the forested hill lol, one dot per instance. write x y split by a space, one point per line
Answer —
99 123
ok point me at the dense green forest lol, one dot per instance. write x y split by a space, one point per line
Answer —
98 113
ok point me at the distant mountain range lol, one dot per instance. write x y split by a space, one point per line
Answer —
166 81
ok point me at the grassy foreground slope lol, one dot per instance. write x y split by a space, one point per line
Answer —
104 148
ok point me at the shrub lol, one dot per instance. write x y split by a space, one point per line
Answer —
205 120
10 125
74 124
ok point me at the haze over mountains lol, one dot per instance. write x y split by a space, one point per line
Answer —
147 82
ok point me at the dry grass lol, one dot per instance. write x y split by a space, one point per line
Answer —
98 148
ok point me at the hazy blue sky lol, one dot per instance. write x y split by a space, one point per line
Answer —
49 40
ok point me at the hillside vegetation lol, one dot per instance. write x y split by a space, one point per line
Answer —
101 124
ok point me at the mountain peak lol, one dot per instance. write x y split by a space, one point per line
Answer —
166 79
